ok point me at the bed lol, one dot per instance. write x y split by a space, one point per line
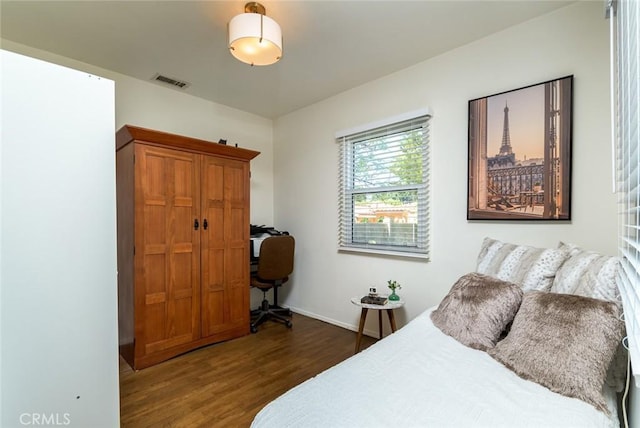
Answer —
421 376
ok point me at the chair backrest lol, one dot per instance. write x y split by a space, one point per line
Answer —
276 257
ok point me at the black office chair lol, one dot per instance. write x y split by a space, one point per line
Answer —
275 264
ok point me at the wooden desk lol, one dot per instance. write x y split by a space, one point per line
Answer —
388 307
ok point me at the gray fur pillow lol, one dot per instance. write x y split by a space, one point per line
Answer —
563 342
477 310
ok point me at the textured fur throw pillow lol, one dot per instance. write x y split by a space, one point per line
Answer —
477 310
563 342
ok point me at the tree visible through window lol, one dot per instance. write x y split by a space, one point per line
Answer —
383 191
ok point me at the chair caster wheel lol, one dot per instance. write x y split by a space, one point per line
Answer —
288 324
254 329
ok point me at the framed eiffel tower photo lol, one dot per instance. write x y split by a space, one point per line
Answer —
520 153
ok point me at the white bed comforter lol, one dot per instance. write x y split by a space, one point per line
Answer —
420 377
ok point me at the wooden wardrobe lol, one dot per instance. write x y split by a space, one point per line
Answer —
183 243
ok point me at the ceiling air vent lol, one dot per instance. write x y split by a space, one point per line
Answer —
171 81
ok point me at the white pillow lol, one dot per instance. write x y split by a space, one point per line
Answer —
530 267
589 274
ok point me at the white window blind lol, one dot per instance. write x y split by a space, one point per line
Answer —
624 16
384 197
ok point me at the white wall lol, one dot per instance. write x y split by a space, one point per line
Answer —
572 40
59 298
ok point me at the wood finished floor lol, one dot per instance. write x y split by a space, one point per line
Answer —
226 384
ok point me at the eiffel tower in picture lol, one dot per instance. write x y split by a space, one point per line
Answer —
505 158
505 148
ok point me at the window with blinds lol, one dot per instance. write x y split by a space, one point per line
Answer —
384 193
624 16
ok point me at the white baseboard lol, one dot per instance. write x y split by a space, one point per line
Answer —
352 327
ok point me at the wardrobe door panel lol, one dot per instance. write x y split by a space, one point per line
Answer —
167 288
237 241
225 242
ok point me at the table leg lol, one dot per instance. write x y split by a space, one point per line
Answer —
380 323
363 317
392 320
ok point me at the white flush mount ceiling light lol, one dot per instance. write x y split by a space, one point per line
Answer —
254 38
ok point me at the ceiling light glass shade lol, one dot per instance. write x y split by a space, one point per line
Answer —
255 39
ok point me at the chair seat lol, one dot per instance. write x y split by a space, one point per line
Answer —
266 284
275 264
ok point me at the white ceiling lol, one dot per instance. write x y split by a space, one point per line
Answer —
329 46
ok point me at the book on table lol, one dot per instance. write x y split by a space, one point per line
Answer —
374 300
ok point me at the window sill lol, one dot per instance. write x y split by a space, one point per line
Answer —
381 252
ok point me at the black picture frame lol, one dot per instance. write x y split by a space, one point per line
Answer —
519 153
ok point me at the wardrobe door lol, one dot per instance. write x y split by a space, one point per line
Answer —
225 246
167 258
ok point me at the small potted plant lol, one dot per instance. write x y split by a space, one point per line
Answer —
537 187
394 285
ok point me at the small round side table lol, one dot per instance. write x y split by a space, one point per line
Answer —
388 307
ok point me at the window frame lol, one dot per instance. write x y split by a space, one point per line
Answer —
624 23
347 139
